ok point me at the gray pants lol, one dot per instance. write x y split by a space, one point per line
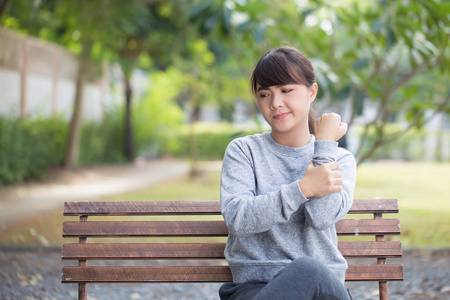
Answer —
303 279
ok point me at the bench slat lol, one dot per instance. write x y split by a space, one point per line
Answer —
370 249
144 228
121 208
368 227
370 206
374 273
206 228
204 274
205 251
146 274
144 251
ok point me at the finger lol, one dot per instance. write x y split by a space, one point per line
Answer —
333 165
336 189
337 116
338 181
337 174
343 125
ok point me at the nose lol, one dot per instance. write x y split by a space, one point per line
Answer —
277 101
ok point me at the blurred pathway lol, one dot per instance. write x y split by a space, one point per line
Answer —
21 201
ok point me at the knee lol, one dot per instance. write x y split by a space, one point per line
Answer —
310 269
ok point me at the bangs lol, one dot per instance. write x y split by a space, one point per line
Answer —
276 69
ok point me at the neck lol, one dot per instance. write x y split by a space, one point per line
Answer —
293 139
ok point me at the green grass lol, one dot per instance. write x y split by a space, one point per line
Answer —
423 190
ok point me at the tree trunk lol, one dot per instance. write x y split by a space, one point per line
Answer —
3 5
73 142
24 79
129 140
193 118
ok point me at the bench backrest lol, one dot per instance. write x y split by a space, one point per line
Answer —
200 223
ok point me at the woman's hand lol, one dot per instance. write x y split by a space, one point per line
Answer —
329 127
322 180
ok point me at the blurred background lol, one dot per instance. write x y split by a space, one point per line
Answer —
138 100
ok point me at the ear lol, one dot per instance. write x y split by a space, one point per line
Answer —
313 92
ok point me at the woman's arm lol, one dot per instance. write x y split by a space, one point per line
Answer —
324 210
244 212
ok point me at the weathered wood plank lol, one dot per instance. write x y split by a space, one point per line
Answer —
204 274
370 249
359 206
369 206
144 251
121 208
204 250
207 228
368 227
374 273
144 228
146 274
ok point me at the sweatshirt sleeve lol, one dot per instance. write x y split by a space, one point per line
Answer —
323 212
245 212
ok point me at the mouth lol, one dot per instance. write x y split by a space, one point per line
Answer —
281 116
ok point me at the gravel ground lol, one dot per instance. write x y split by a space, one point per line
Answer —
34 273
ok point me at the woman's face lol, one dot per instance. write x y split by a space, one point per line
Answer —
286 107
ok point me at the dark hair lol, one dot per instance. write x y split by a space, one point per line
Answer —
285 65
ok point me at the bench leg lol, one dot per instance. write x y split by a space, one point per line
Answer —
82 295
383 288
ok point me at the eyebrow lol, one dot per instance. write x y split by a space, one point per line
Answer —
262 88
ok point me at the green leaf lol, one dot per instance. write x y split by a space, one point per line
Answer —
308 11
361 63
377 26
200 9
260 33
212 20
391 39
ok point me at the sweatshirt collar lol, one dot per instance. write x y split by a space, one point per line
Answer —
288 151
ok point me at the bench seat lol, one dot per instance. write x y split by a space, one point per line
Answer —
192 248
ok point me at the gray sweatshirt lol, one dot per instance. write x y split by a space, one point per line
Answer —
270 221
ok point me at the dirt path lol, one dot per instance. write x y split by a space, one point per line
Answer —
21 201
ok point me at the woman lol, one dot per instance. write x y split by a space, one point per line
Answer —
283 191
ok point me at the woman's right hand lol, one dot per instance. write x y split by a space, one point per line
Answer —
322 180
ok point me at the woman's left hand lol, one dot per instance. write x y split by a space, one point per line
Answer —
329 127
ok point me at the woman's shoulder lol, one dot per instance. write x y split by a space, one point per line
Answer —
247 144
250 140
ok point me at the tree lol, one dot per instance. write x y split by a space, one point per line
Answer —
94 31
362 51
376 52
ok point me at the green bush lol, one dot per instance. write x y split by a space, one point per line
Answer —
157 114
211 139
29 147
102 143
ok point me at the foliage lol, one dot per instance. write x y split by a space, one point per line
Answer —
30 147
157 113
393 54
409 147
102 143
212 140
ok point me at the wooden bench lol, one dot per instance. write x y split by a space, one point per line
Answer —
183 257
